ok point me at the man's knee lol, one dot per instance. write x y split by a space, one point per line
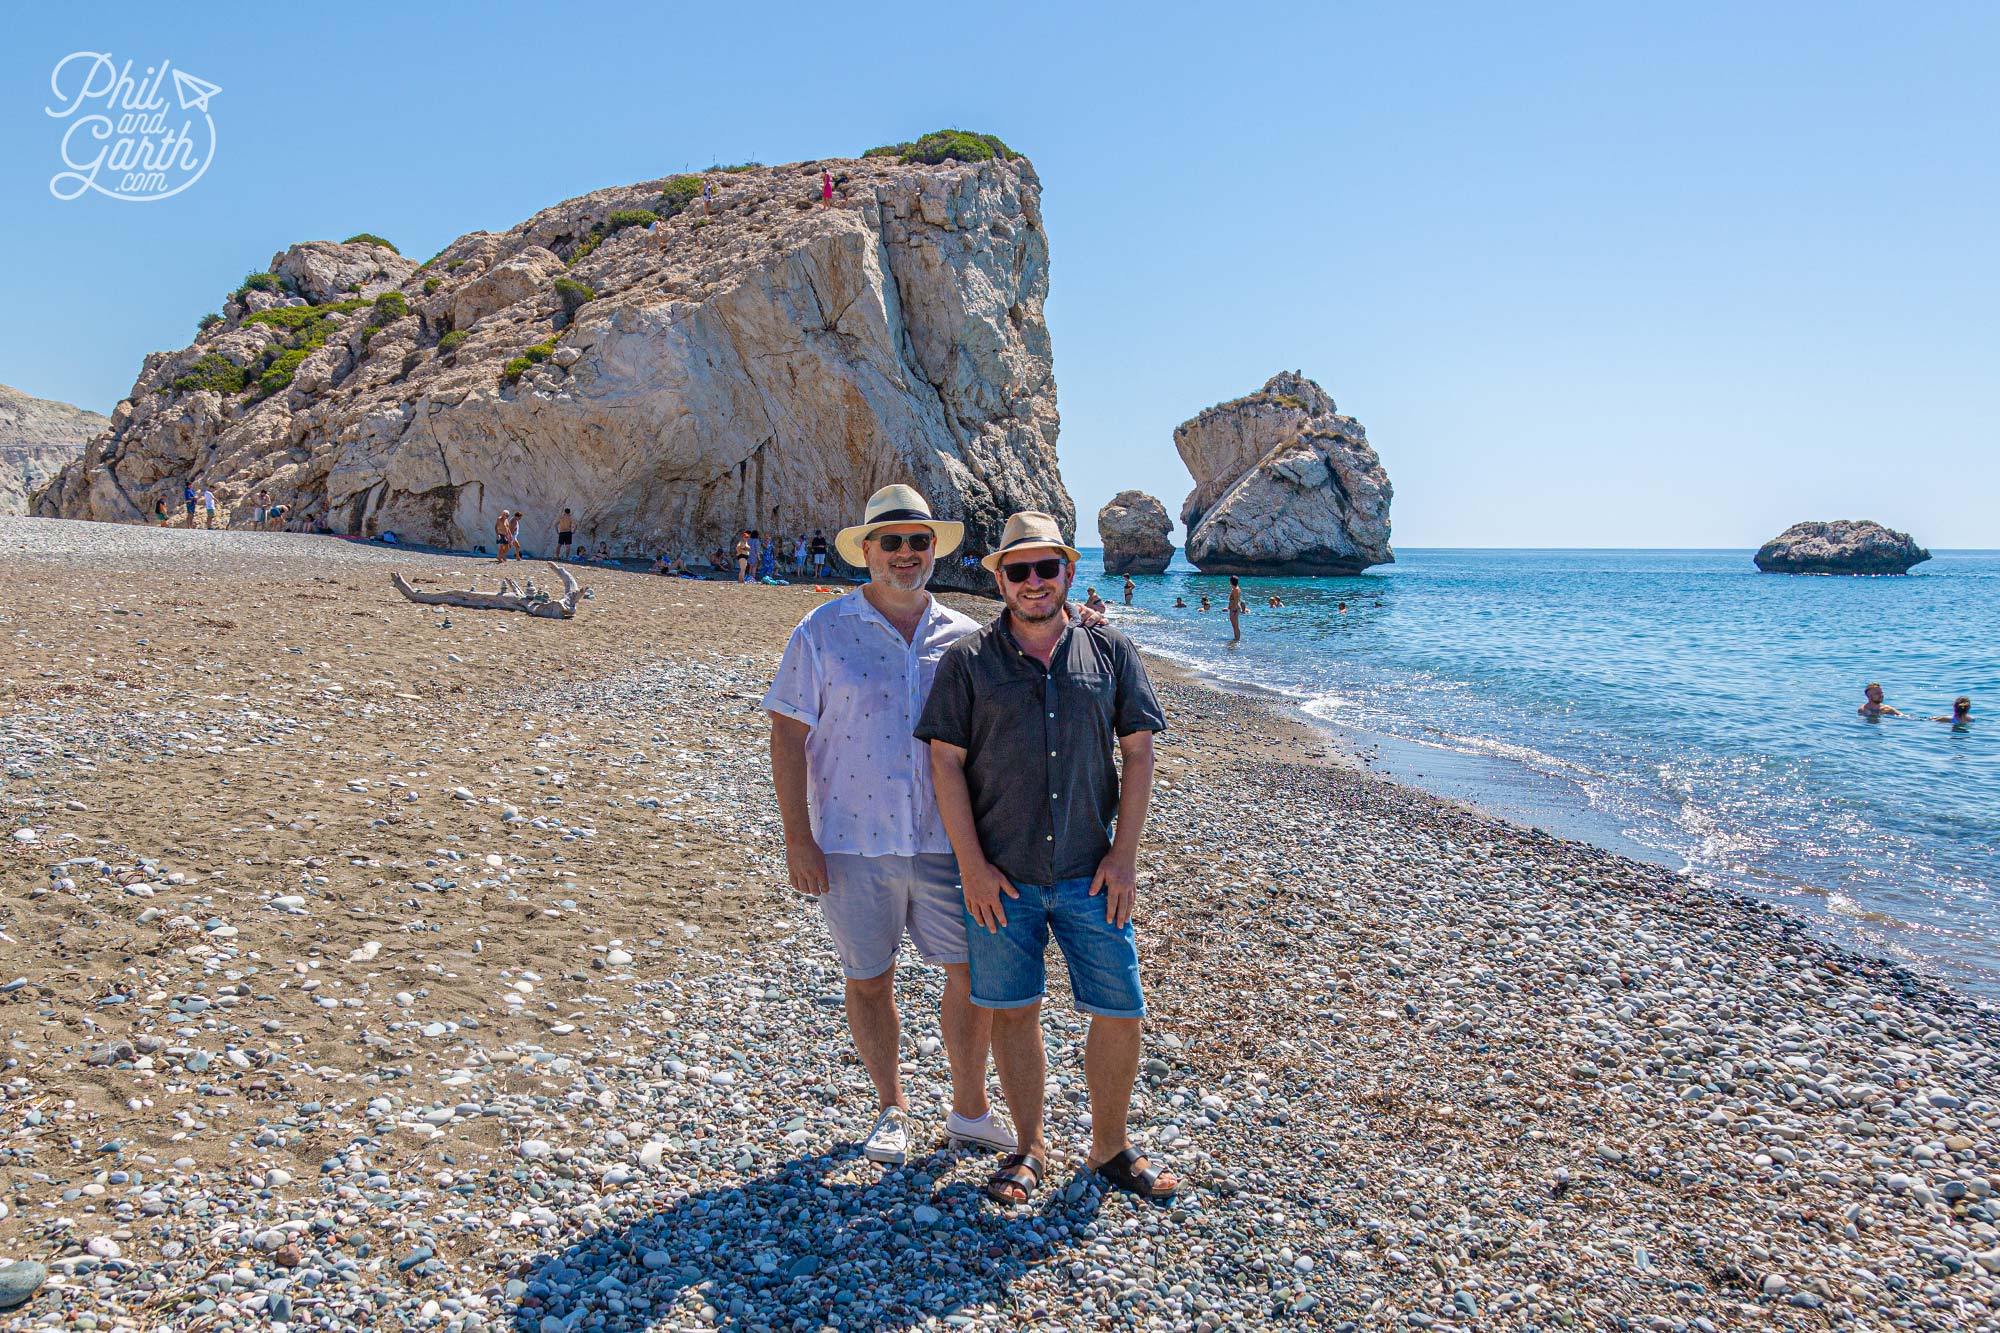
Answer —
873 989
1027 1015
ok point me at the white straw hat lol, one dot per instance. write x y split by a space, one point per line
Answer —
1030 527
888 507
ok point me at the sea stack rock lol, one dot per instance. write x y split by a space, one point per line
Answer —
764 361
1137 534
38 436
1283 485
1844 547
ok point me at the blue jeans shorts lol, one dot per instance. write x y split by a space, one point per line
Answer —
1009 969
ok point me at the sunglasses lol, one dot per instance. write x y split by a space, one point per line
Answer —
1048 570
919 541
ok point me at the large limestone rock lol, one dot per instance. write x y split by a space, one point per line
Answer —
37 437
1137 534
1843 547
766 365
1283 485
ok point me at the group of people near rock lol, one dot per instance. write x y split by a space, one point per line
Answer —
201 509
979 790
1872 707
756 555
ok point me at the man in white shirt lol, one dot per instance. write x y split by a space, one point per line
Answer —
862 830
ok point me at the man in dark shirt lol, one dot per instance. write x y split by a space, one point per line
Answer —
1022 720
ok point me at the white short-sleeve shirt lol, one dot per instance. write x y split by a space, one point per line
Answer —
848 674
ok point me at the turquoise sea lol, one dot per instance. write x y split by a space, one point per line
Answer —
1675 705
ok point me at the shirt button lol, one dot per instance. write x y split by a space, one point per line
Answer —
1050 837
1051 714
1055 796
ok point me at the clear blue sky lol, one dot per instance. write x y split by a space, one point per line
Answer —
1591 275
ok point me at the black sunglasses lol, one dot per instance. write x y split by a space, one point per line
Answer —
1049 569
893 542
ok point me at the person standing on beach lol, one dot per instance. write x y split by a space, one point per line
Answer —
208 507
799 554
756 554
190 499
825 187
160 515
1022 722
1874 707
565 534
503 534
1235 610
263 508
1130 588
862 832
818 548
743 557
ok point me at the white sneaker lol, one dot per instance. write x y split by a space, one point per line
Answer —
989 1132
889 1142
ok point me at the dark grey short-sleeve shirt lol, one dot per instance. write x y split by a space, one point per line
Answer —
1040 742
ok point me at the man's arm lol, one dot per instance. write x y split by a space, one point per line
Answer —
982 881
804 861
1118 873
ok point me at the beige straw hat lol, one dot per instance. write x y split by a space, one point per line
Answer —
886 508
1030 527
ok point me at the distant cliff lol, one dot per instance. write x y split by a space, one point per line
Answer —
1283 485
38 436
672 371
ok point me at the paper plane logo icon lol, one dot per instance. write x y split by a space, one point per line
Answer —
194 93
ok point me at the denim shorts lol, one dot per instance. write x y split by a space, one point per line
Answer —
1008 969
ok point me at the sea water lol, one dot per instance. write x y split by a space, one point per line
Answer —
1674 705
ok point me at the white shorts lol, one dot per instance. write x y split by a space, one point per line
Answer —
871 901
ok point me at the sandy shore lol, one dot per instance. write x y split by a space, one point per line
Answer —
368 966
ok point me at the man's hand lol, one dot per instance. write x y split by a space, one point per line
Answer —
806 864
1117 879
1090 618
984 885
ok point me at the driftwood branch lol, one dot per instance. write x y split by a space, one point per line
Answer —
528 599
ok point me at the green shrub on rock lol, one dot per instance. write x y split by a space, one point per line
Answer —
432 284
214 372
258 282
389 306
208 321
452 341
515 368
279 375
632 217
370 238
940 145
572 294
677 194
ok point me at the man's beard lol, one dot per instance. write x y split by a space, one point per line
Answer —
906 580
1048 610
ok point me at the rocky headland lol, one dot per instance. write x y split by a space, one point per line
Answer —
672 370
1846 546
1137 533
1283 485
37 437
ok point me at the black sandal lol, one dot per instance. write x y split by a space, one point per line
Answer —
1123 1172
1017 1171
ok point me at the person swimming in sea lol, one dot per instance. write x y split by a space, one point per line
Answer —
1875 707
1343 608
1961 711
1181 602
1276 602
1204 601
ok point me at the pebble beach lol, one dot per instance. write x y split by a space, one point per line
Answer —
366 965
